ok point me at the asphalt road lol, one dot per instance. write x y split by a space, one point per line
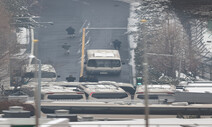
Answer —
78 14
125 108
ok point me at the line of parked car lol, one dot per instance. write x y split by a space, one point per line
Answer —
102 91
93 91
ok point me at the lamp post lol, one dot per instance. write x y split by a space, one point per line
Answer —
145 79
38 91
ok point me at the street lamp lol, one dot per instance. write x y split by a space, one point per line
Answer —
38 90
145 77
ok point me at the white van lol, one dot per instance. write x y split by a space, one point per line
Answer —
60 93
103 62
127 87
104 91
157 93
48 73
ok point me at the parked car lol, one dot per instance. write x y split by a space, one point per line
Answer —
48 73
104 91
60 93
127 87
163 93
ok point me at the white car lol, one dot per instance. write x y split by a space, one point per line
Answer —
48 73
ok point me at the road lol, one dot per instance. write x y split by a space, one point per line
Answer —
125 108
79 14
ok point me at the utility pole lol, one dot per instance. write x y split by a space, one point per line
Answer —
145 76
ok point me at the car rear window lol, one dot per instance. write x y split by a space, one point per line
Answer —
150 96
109 95
44 74
71 97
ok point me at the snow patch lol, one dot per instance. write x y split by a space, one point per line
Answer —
207 40
23 36
132 30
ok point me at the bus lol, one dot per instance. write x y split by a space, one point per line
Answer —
103 62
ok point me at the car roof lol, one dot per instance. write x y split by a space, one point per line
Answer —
101 88
44 67
156 88
117 83
104 86
103 54
58 89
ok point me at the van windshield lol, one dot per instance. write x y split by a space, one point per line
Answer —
103 63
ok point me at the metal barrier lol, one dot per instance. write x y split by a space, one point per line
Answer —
137 125
86 124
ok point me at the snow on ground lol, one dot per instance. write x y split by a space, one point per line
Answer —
23 36
133 20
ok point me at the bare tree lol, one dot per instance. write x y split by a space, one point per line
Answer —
170 48
173 40
5 31
8 40
17 7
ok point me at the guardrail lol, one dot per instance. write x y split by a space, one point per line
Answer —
97 100
77 124
136 125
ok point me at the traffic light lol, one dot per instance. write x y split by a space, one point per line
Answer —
139 81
